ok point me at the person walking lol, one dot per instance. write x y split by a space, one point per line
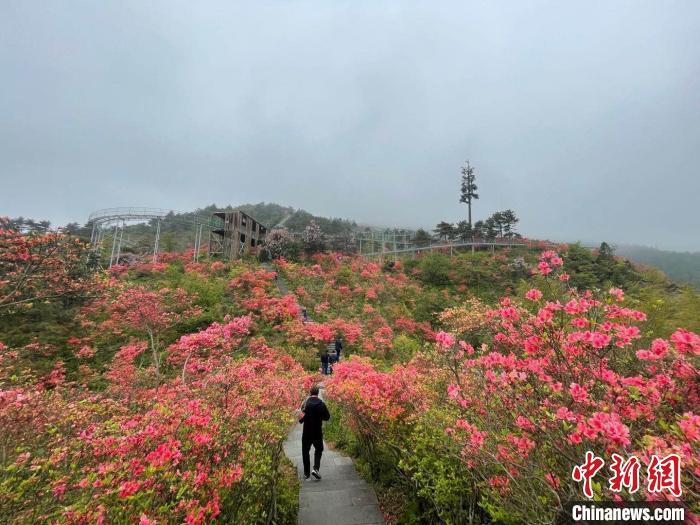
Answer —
314 413
338 348
325 362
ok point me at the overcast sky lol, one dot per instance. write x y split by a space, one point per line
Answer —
583 117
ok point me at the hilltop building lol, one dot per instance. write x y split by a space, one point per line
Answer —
234 234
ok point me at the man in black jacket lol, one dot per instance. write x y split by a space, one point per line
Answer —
338 348
314 413
325 362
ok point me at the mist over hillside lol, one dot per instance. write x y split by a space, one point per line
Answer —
682 267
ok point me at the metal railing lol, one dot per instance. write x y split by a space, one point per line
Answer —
430 246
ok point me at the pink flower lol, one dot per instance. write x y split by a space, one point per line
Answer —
565 414
597 339
618 294
469 349
59 488
575 438
659 348
85 352
578 393
690 425
129 488
686 342
579 322
611 427
444 339
453 391
544 268
534 295
525 424
552 480
145 521
165 453
525 445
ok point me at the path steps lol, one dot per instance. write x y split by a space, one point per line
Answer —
342 497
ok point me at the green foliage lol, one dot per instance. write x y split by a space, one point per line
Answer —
429 303
589 270
422 237
667 306
307 357
405 347
435 269
270 490
345 276
438 476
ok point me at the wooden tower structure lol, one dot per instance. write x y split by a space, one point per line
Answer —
234 234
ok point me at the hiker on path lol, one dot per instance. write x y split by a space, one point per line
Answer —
325 362
314 413
338 348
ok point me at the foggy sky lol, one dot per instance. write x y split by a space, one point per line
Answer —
583 117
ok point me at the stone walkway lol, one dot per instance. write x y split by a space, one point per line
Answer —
342 497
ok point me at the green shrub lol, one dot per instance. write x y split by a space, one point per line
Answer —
435 269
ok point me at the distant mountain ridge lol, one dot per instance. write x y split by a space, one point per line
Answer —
681 267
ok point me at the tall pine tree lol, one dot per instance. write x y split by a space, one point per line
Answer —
468 191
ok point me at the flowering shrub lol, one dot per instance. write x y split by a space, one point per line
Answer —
187 454
170 399
552 377
41 267
339 290
184 428
146 313
278 243
377 398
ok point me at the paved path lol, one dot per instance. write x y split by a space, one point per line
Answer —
342 497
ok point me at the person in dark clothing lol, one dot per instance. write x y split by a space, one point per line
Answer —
338 348
314 413
325 362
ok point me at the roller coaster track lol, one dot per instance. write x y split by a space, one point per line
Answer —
131 214
110 223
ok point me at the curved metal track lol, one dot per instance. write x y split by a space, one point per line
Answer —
130 214
104 220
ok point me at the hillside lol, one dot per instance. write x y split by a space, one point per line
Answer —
682 267
162 392
178 232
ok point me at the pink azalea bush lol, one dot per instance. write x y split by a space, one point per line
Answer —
554 376
181 429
